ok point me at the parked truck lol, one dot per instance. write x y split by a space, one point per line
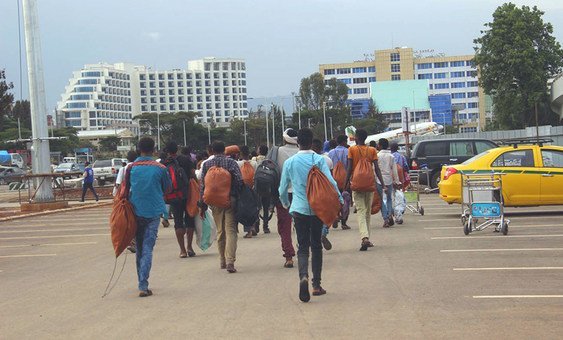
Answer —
11 159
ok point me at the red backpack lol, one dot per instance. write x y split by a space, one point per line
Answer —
179 182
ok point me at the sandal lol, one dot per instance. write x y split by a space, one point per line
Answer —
248 235
318 291
191 253
145 293
183 255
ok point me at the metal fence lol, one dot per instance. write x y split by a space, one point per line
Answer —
550 132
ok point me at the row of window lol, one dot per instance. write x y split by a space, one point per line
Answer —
113 115
180 76
458 63
454 85
188 83
190 99
225 66
443 75
114 107
347 70
183 107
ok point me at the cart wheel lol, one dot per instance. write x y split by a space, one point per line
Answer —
467 226
421 211
463 220
504 228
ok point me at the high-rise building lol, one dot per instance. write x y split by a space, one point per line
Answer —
105 95
455 76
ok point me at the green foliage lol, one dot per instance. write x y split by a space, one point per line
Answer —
67 145
313 92
109 144
6 98
22 110
517 54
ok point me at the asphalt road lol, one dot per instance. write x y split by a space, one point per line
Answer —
423 279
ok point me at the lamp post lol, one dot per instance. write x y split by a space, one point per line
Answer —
330 119
324 119
184 124
244 125
209 132
273 125
309 122
158 129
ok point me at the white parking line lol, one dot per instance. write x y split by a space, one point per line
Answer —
49 230
50 244
492 236
515 296
508 268
23 255
495 250
511 226
52 236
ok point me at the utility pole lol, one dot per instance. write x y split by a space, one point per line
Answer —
184 124
158 129
537 123
40 148
324 119
209 132
244 124
273 125
330 119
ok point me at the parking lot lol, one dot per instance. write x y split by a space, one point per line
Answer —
424 279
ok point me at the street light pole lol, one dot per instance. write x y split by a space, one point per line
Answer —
273 125
244 124
309 122
209 132
184 124
324 119
158 129
330 119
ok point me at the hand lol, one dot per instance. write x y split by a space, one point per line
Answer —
384 188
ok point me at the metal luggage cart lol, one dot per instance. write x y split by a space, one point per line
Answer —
412 193
482 199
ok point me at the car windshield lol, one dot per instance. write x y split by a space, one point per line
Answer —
65 166
102 164
474 158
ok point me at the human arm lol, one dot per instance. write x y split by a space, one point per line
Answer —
284 184
378 174
348 174
165 181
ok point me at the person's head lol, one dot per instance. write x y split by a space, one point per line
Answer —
263 150
171 148
87 164
290 136
317 145
305 138
373 144
342 140
253 153
394 146
146 146
132 156
218 147
383 143
332 144
186 151
245 152
210 149
361 136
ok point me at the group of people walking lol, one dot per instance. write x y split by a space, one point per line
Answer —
275 179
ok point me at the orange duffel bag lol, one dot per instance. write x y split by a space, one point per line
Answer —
193 197
363 177
376 203
217 190
322 196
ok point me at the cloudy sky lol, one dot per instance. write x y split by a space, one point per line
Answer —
282 41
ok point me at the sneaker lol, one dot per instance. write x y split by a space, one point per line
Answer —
318 291
145 293
400 221
345 226
385 224
165 223
335 225
231 268
391 221
266 230
288 263
304 295
254 232
326 243
365 244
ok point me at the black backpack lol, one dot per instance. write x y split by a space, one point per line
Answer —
247 206
267 176
179 181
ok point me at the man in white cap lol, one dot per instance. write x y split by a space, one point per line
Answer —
289 149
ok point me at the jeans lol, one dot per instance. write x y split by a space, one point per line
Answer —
309 230
147 229
363 202
85 188
386 201
284 229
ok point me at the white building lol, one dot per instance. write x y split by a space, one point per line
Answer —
103 95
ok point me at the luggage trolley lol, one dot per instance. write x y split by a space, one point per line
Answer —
412 193
482 198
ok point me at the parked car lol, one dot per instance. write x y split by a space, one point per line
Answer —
435 153
106 170
532 174
68 169
11 174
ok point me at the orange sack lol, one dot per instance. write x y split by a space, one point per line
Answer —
339 175
322 196
376 203
122 221
193 197
217 190
363 179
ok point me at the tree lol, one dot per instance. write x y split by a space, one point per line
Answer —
516 55
6 98
22 110
109 144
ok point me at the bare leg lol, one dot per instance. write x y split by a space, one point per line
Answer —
190 236
180 237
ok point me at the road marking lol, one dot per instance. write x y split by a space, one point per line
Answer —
440 219
50 244
49 230
47 225
52 236
510 226
494 250
23 255
494 236
516 296
508 268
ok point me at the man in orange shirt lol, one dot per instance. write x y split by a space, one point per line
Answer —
363 199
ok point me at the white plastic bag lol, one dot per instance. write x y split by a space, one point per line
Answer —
205 230
399 204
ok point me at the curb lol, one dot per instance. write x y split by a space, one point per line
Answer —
49 212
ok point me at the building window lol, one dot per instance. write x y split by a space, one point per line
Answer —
395 77
430 86
359 70
346 80
441 86
472 74
360 80
458 85
441 75
362 90
423 66
343 70
472 94
425 76
470 63
459 63
458 74
460 95
328 71
472 105
371 79
472 83
395 67
395 57
371 69
441 65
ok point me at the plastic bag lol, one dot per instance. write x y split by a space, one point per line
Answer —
399 204
205 230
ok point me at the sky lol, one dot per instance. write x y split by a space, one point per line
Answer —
281 41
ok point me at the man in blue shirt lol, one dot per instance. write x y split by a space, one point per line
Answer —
340 154
88 182
307 225
149 181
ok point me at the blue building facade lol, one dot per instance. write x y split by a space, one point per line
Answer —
359 108
441 105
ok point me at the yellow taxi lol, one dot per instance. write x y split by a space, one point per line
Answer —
532 174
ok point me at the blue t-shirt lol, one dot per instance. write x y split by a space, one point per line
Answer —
89 175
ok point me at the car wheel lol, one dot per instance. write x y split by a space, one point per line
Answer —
435 180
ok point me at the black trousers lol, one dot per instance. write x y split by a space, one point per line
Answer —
85 188
265 204
181 217
309 231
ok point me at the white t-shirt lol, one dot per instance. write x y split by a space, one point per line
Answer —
252 162
120 177
328 161
198 172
